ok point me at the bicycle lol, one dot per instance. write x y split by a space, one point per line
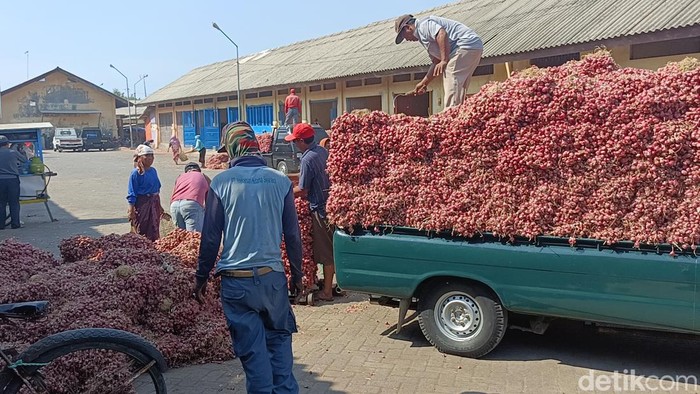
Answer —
46 365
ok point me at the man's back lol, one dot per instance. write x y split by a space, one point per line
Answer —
292 101
253 202
9 160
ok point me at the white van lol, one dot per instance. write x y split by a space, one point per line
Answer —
66 138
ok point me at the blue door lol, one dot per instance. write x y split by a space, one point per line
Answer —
209 132
232 114
260 117
188 127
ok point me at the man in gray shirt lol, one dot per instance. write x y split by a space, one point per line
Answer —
454 49
10 161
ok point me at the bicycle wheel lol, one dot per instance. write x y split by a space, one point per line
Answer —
93 360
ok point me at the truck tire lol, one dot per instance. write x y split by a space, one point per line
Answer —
282 167
462 319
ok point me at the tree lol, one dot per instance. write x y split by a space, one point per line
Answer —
122 95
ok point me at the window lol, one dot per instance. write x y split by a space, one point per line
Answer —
401 78
165 119
267 93
553 61
178 103
418 76
223 98
251 95
353 84
200 101
208 100
188 102
373 81
484 70
314 88
234 97
329 86
665 48
178 118
282 91
161 105
168 105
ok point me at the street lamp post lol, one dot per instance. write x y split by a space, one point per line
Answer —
143 78
238 69
128 104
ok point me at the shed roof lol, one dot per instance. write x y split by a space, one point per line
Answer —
25 126
507 27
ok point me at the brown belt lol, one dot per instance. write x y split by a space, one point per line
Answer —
245 273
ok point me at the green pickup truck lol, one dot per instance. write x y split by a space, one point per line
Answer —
468 290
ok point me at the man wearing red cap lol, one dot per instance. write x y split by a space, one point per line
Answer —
314 185
292 108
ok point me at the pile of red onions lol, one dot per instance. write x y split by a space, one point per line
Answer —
587 149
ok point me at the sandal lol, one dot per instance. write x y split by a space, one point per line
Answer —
320 296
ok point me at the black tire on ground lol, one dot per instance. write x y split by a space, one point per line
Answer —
140 351
462 319
282 167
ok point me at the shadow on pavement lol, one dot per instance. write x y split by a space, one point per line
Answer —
229 376
576 344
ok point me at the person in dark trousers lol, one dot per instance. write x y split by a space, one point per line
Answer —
454 49
314 185
292 108
199 147
10 161
252 207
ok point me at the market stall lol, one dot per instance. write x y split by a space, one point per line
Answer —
34 177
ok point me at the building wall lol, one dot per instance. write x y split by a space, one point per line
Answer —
387 89
58 92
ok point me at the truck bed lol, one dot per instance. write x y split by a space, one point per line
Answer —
615 284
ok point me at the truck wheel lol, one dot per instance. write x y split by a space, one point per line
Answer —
462 319
282 167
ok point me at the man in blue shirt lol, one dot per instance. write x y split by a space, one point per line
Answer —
10 160
314 185
252 206
454 49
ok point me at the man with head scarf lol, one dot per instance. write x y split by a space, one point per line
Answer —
292 108
252 206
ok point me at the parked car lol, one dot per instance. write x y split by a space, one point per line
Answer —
93 139
283 155
67 138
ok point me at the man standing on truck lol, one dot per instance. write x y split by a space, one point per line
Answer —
314 185
252 206
454 49
10 161
292 108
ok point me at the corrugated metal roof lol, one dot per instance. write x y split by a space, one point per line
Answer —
507 27
25 126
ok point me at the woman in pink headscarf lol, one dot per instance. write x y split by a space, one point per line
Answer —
175 146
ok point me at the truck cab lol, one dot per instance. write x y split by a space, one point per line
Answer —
67 138
284 156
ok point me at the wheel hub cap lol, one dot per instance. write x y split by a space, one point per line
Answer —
459 316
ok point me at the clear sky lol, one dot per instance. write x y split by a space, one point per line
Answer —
165 39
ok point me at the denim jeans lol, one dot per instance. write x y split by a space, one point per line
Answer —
187 215
292 117
9 195
261 322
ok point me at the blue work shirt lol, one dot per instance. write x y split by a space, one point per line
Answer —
314 179
10 161
252 207
198 144
141 185
458 35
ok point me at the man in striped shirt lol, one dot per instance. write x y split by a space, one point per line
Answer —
314 185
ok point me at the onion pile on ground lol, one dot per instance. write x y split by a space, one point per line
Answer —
219 161
122 282
587 149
